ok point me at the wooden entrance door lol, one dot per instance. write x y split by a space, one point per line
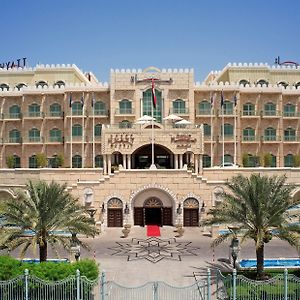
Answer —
190 217
114 217
167 216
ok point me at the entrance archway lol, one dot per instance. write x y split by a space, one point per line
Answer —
190 212
114 213
163 157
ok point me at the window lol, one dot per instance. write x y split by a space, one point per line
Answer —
34 110
76 161
206 161
270 109
179 107
99 161
32 162
55 135
228 130
204 108
147 105
262 82
14 112
77 108
98 129
77 130
290 134
14 136
20 85
289 160
41 83
273 161
248 134
99 108
55 110
282 83
270 134
228 108
243 82
228 158
34 135
17 162
207 129
248 109
59 83
125 107
289 110
253 161
4 86
125 124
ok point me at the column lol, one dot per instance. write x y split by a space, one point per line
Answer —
196 163
128 161
200 164
109 164
104 164
180 161
124 161
176 160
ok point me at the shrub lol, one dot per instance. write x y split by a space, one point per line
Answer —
41 160
60 160
267 160
245 160
296 160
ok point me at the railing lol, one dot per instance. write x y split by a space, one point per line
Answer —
204 112
271 113
12 116
250 113
124 111
179 111
33 139
33 114
30 287
54 114
13 140
250 138
99 112
271 138
238 287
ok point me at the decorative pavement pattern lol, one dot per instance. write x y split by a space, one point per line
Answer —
154 249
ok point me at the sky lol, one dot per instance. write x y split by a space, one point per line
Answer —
99 35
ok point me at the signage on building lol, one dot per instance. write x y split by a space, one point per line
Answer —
18 63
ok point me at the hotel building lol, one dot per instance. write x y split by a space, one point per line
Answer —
59 123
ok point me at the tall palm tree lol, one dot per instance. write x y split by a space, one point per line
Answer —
258 206
36 215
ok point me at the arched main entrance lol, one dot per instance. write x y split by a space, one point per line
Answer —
114 213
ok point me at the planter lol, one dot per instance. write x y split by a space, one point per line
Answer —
125 232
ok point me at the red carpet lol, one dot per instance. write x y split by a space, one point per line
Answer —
153 230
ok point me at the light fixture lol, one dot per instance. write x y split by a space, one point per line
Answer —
103 208
203 208
126 210
179 209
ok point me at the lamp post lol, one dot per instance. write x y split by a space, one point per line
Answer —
91 211
75 247
234 246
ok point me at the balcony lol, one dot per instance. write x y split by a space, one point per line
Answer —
99 113
291 138
54 114
250 114
33 115
13 140
33 140
12 116
271 138
54 139
290 114
204 112
250 139
271 113
179 111
124 111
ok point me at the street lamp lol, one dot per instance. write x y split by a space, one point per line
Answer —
75 247
234 250
126 209
179 209
91 211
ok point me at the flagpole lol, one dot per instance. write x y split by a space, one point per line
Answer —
93 105
152 139
82 138
211 132
71 138
223 131
235 135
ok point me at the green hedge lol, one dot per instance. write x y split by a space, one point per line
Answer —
11 267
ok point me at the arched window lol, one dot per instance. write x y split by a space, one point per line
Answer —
228 158
270 134
289 110
17 161
55 135
270 109
98 129
125 124
59 83
55 110
77 130
125 107
207 129
228 107
148 104
77 161
20 85
99 108
289 160
290 134
4 86
15 112
179 106
206 161
34 135
282 83
204 108
228 130
273 161
262 82
248 134
32 162
41 83
77 108
243 82
34 110
14 136
99 161
248 109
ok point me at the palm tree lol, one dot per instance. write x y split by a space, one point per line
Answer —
258 206
36 215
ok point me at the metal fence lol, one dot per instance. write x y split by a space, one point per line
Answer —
238 287
29 287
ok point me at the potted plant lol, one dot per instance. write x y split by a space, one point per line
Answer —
179 230
126 230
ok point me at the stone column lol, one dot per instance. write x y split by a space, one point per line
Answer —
180 161
200 164
124 161
176 161
128 161
109 164
196 163
104 164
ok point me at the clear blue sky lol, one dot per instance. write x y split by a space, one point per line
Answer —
98 35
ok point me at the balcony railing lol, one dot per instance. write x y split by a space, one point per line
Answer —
99 112
13 140
55 139
33 139
124 111
33 114
250 113
291 138
251 138
179 111
291 114
54 114
271 138
13 116
203 112
271 113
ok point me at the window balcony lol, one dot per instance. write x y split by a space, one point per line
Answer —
250 138
13 140
271 113
204 112
33 114
99 113
124 111
271 138
290 114
12 116
54 114
179 111
32 140
291 138
250 113
54 139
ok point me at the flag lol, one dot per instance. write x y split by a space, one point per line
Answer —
70 100
153 94
212 99
82 100
234 99
222 99
93 100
